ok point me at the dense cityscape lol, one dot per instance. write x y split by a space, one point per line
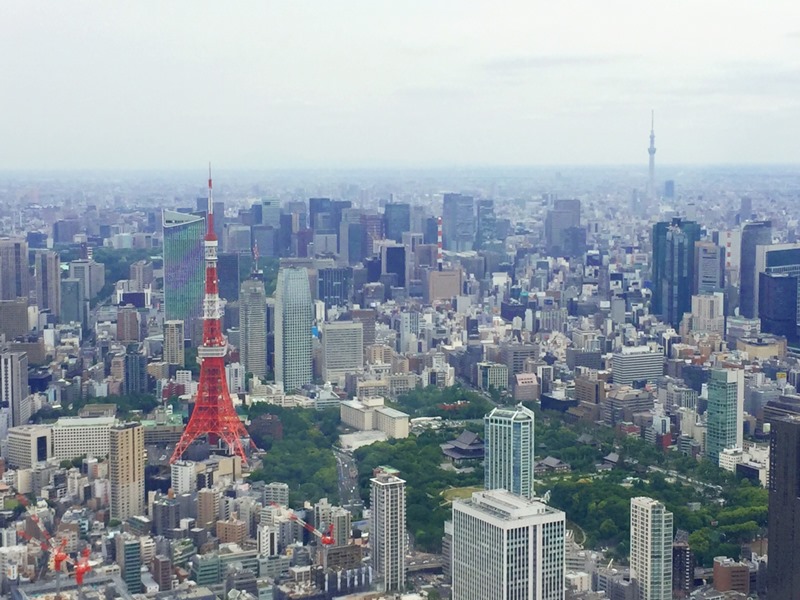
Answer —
449 300
577 384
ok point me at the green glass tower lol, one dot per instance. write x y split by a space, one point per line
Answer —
673 269
725 412
184 269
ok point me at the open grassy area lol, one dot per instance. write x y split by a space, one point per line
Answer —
460 493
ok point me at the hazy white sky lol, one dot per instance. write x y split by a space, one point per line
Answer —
397 83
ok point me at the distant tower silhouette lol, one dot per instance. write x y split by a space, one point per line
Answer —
213 413
652 152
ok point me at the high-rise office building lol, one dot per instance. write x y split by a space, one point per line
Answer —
397 220
253 327
13 318
458 222
91 273
135 378
486 229
141 275
47 266
508 443
393 261
507 547
174 336
334 286
14 385
128 331
776 259
673 268
73 306
319 210
725 412
270 213
342 350
388 528
293 320
351 236
228 273
651 549
783 568
559 221
757 233
126 460
129 559
709 268
14 269
28 445
777 304
184 270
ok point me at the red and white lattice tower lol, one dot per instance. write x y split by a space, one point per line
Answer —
213 415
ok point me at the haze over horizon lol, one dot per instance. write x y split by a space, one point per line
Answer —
354 84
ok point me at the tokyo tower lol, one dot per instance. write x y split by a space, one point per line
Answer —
213 413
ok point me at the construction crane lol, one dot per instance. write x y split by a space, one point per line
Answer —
82 567
326 538
57 550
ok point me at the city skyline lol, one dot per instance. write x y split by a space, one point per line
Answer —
299 86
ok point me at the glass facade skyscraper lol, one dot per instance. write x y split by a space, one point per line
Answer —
184 269
673 268
758 233
725 412
458 222
397 220
293 320
508 462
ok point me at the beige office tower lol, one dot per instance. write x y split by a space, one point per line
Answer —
48 281
126 470
651 549
388 528
207 507
173 343
342 350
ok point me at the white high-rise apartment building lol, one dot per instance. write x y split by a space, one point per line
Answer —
388 528
126 460
76 436
342 349
253 327
293 319
506 547
14 385
184 477
651 549
508 462
234 372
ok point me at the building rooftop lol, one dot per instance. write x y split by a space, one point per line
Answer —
85 421
507 506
